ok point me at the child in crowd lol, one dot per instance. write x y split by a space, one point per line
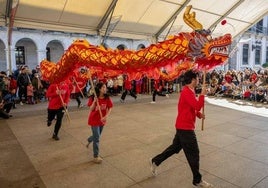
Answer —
30 93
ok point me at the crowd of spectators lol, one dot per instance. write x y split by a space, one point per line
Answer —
23 86
247 84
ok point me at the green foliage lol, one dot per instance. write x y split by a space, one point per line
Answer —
265 65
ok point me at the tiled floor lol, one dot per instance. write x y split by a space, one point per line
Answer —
233 148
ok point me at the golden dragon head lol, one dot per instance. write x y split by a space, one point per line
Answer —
201 43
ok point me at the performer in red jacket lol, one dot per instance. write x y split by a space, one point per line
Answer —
188 109
79 84
127 88
58 98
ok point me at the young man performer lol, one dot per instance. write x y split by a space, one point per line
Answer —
58 98
188 108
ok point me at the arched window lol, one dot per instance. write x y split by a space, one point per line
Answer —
140 46
20 55
121 47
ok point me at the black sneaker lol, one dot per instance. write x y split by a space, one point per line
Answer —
55 137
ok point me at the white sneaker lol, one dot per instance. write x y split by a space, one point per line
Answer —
21 103
167 95
153 167
204 184
81 106
152 102
97 160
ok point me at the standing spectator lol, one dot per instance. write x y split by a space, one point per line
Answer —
115 88
110 86
38 88
120 79
58 98
23 81
13 88
188 108
98 117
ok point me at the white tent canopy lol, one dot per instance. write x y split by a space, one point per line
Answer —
137 19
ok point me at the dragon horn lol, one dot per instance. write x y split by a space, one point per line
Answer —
190 20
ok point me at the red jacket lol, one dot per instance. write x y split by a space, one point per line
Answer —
13 84
128 85
79 83
94 118
188 108
54 99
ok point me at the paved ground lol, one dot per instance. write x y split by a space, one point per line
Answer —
233 146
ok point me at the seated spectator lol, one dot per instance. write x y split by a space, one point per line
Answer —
248 93
237 93
260 97
228 91
213 86
5 106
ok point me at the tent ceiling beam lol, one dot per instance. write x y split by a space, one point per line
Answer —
174 16
106 15
8 10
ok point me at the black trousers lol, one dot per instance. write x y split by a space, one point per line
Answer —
22 92
77 98
4 114
8 106
124 94
157 93
186 140
58 113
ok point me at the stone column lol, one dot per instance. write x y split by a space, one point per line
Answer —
41 55
10 58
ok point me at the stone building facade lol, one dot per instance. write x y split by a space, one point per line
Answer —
30 47
251 48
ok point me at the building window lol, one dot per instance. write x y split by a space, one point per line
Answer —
20 55
245 54
48 54
258 55
121 47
